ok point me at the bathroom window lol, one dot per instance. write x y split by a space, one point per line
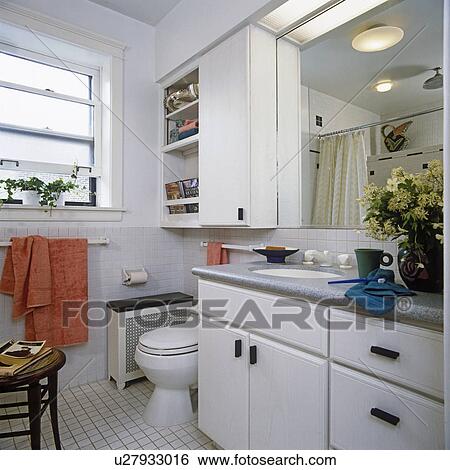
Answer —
50 122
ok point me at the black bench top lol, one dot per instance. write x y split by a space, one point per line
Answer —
149 301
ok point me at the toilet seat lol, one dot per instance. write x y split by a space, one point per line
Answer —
168 352
169 341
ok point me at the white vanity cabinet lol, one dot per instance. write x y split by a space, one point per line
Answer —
223 386
288 397
237 149
333 380
257 392
386 385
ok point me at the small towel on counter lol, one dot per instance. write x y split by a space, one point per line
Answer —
217 254
378 298
48 282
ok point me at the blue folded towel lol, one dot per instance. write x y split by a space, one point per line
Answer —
186 134
378 297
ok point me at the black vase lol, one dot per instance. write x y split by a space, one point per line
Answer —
422 270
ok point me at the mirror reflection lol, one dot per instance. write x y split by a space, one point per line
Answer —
354 104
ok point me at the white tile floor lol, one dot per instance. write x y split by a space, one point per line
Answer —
98 416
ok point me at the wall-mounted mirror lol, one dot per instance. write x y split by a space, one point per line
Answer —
355 103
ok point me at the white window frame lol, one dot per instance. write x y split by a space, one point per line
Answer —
106 67
94 170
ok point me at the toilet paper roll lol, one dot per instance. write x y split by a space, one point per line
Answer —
131 277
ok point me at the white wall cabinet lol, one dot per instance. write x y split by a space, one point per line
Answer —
256 393
237 149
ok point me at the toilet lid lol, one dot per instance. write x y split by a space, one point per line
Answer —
170 338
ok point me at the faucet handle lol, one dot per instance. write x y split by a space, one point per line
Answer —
309 256
344 261
325 259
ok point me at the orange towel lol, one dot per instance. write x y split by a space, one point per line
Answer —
48 282
217 254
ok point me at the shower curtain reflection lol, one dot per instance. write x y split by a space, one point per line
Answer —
341 177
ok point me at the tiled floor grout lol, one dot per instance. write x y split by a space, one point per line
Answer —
99 416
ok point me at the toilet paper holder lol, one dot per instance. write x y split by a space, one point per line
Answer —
132 276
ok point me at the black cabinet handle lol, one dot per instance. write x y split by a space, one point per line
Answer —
384 352
238 348
253 357
240 213
385 416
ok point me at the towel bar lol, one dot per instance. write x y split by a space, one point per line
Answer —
235 247
91 241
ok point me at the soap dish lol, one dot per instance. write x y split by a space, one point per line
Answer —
276 256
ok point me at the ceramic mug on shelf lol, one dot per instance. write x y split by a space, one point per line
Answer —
369 259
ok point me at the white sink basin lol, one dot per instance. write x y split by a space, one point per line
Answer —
297 273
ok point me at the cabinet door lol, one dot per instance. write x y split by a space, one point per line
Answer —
223 386
288 398
224 158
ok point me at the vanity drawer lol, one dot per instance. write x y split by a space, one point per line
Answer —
402 353
366 413
294 321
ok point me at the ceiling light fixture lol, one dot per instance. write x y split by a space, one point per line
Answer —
326 16
383 87
378 38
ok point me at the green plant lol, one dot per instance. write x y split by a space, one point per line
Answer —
10 185
30 184
409 207
50 192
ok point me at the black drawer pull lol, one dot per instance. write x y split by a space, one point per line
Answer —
240 213
253 357
385 416
384 352
238 348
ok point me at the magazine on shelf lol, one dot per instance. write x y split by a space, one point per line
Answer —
178 209
191 208
190 187
174 190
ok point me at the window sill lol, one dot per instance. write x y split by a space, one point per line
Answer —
10 212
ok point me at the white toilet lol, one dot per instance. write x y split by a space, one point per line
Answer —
168 357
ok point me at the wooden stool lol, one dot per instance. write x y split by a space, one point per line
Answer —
29 381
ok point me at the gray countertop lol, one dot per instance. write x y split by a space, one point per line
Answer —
424 309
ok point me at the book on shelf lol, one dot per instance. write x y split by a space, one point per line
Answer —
17 356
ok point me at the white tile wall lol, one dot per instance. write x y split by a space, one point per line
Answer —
336 241
159 251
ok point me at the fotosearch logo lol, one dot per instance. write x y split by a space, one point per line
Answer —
280 314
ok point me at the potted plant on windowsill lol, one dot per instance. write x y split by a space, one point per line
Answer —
30 190
53 194
410 208
11 187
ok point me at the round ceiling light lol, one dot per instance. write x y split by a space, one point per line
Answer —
378 39
383 87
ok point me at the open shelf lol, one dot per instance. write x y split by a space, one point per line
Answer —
190 111
181 158
182 145
189 220
183 201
